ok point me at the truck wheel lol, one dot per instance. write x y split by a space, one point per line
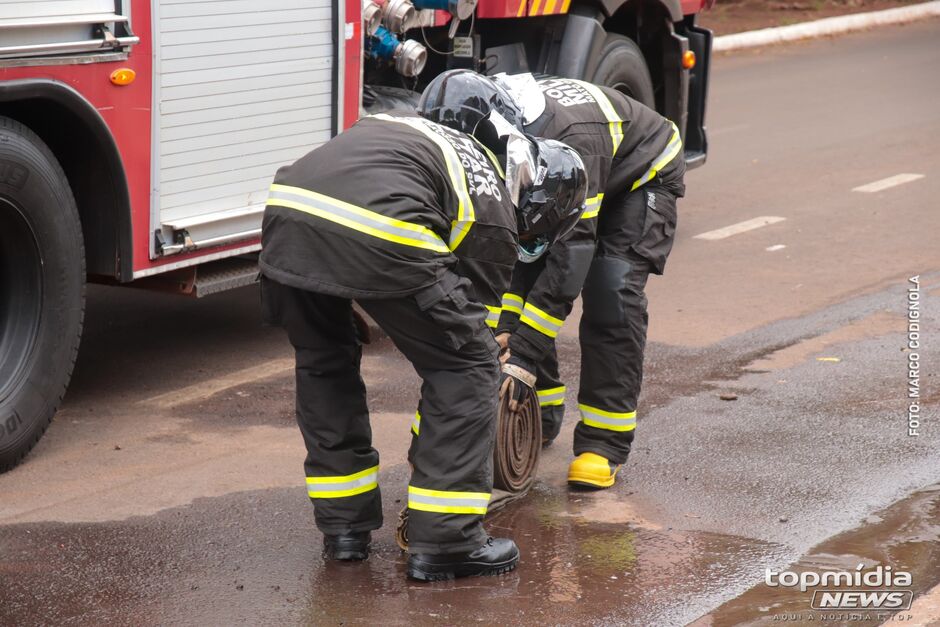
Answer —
623 68
42 288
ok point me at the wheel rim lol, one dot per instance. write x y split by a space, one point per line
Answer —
21 291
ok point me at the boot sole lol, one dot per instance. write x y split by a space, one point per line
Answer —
588 481
346 555
429 573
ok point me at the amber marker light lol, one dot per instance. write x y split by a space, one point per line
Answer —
123 76
688 60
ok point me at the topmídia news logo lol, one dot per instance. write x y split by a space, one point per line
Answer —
880 588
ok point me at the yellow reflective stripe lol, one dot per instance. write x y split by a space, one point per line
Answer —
551 396
513 303
534 9
521 11
345 485
668 154
355 218
492 318
565 5
455 171
540 320
458 231
416 423
610 420
614 122
447 502
592 207
550 7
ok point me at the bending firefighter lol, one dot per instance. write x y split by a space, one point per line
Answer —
413 221
635 168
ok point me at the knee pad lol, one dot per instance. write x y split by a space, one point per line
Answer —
612 292
580 255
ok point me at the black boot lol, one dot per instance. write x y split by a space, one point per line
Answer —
347 546
496 556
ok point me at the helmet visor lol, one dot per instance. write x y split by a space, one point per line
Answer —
521 166
526 93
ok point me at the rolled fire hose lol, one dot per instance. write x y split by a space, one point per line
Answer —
515 454
518 442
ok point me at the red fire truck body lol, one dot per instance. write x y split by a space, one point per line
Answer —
157 125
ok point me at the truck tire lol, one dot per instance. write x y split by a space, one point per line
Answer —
42 288
623 68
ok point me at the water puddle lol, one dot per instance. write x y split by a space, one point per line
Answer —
904 537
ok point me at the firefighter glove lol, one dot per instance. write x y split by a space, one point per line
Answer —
517 377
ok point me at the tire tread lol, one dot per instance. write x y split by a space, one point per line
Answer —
28 135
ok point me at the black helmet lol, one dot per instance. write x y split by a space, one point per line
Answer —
460 99
548 183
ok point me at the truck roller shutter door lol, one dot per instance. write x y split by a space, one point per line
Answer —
239 92
56 27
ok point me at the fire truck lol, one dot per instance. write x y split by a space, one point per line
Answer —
138 137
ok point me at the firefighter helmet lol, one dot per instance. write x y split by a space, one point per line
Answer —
461 99
547 182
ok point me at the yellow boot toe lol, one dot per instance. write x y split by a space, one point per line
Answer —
593 471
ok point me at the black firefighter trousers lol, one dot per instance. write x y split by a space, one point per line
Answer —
444 336
635 234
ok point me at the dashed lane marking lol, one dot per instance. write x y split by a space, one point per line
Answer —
888 183
712 133
206 389
740 227
775 247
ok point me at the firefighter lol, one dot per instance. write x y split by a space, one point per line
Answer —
635 169
414 222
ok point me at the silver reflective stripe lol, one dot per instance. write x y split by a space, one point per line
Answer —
541 321
456 172
662 159
555 396
602 419
448 502
356 218
348 485
592 207
492 316
513 303
614 122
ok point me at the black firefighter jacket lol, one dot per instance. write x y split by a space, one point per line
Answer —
387 209
624 145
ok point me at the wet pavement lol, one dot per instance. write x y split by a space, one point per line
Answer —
905 536
169 489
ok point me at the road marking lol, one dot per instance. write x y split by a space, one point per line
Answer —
775 247
728 129
891 181
740 227
205 389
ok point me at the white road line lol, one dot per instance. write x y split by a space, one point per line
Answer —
891 181
775 247
728 129
205 389
740 227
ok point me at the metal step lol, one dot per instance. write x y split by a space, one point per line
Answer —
225 274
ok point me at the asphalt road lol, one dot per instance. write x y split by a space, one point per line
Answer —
170 487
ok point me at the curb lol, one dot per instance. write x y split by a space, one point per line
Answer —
827 26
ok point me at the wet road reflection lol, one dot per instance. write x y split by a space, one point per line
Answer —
254 557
